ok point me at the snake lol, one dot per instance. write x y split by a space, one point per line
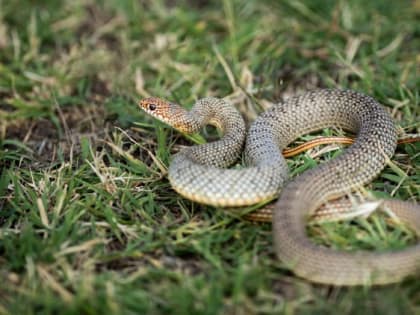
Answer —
200 173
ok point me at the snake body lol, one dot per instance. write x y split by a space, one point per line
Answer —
196 173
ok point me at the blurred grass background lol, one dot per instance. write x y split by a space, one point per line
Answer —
88 222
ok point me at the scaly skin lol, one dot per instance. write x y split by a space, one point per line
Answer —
195 174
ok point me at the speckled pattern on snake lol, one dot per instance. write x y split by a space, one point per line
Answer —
198 173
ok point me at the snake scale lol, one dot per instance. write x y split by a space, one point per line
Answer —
199 173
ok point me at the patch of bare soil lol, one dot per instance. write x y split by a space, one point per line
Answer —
47 140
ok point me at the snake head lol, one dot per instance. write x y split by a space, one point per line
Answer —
156 107
170 113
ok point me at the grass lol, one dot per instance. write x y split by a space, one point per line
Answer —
88 222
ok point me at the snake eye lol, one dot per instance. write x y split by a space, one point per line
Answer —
152 106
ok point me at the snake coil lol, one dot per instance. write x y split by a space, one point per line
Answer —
197 174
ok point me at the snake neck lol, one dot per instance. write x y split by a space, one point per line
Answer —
216 112
222 115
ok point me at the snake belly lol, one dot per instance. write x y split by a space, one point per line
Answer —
193 173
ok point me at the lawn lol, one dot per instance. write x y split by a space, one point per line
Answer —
89 223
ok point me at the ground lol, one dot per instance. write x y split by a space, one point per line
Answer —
88 221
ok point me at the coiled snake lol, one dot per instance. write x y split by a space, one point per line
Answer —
198 173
